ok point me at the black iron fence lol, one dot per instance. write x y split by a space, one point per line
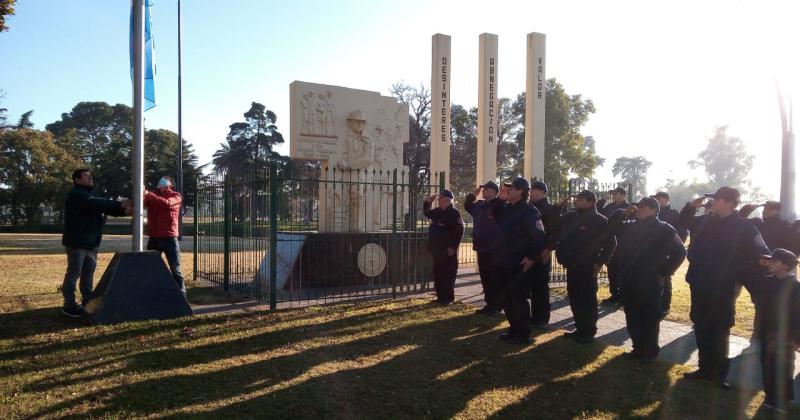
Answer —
333 234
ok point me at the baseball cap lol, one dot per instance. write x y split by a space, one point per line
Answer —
519 183
649 202
619 190
726 193
539 185
783 255
586 195
490 185
446 193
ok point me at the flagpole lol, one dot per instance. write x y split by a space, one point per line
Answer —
138 122
180 128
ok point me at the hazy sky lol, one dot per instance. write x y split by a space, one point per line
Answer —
662 75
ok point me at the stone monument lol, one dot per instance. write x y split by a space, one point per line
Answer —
440 106
488 111
535 95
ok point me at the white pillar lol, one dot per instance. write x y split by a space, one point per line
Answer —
788 169
138 121
535 95
487 109
440 108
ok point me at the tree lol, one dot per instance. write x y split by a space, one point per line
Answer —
161 150
249 144
417 152
566 149
725 160
633 171
6 9
25 120
35 170
463 148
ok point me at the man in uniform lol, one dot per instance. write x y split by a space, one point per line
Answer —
485 238
522 244
775 231
444 236
584 245
540 272
671 216
723 249
619 200
648 252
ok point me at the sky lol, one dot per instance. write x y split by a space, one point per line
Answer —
662 74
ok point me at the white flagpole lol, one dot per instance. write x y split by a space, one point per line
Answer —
138 122
180 128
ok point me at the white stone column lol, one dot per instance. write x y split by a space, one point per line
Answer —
487 109
535 95
440 107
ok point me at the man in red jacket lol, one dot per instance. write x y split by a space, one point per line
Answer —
163 208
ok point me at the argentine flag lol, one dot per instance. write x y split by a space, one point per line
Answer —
149 60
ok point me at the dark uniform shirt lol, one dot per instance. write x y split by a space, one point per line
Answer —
522 231
778 306
776 232
446 227
485 229
672 217
612 208
550 214
583 239
647 249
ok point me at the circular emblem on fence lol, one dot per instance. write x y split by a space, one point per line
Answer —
371 260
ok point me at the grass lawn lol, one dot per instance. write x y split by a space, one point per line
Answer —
399 359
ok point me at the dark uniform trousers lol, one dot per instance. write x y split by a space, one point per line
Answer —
642 304
515 301
777 364
712 315
492 288
582 293
666 295
445 268
614 286
540 292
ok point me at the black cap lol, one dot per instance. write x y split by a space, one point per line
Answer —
490 185
519 183
446 193
539 185
662 194
775 205
619 190
587 195
726 193
649 202
783 255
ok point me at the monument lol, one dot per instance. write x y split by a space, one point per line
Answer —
535 95
488 123
440 106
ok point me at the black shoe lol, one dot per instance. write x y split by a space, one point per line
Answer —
571 334
584 339
613 300
635 355
697 375
483 310
446 303
723 384
541 326
505 336
73 312
519 340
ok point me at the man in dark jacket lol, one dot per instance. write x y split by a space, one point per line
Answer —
485 242
584 245
648 252
777 298
670 216
84 217
163 213
619 201
724 249
777 233
523 242
444 237
540 272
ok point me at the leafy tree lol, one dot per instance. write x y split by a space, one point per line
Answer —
25 120
35 171
249 144
463 148
161 150
6 9
417 152
633 171
566 149
725 160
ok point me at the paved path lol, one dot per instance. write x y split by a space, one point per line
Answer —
677 340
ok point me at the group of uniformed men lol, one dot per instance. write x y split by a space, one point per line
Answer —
516 230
